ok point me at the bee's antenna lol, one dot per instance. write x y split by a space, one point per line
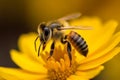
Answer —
35 43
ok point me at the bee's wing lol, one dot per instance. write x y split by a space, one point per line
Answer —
76 27
70 16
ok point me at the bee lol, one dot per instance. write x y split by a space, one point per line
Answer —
55 30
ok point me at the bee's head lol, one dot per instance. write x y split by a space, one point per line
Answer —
44 32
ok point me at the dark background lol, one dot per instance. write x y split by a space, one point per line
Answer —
22 16
12 24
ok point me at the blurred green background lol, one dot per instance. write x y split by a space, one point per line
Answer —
23 16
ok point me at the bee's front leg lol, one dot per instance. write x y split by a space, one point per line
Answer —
51 50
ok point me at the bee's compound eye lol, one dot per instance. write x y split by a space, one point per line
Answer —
46 31
42 26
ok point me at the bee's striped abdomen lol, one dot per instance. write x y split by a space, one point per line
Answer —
78 43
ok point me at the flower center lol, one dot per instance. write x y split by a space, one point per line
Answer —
61 75
58 65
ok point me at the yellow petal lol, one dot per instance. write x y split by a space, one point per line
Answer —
69 79
91 36
94 23
105 35
18 74
27 63
26 46
26 43
5 76
79 58
100 60
88 35
90 73
76 77
106 48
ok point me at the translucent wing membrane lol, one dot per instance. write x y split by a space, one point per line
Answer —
76 27
71 16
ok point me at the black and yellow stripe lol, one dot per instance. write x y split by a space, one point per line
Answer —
78 43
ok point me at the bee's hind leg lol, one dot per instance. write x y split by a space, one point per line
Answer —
64 41
69 52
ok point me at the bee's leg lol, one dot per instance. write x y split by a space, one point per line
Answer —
63 40
44 45
35 45
52 49
69 52
39 49
35 42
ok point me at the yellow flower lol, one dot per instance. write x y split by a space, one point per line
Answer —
103 46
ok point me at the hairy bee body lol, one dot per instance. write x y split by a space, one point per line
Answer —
78 43
54 26
55 30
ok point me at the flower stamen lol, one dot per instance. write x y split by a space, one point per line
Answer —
60 68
